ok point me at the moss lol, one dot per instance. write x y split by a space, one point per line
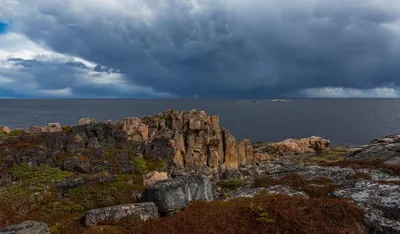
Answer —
146 119
329 155
66 129
168 120
156 165
121 191
232 184
317 187
140 165
38 177
214 132
16 133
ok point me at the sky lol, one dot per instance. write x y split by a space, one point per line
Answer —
199 49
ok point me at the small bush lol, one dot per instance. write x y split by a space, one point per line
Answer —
140 165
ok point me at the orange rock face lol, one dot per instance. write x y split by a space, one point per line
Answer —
304 145
5 129
152 177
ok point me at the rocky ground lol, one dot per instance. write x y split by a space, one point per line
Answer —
181 172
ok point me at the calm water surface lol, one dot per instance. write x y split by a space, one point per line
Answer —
344 121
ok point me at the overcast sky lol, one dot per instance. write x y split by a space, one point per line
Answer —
200 48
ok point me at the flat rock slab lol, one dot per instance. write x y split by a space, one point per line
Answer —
27 227
381 204
143 211
178 193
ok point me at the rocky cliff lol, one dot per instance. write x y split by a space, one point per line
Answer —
185 139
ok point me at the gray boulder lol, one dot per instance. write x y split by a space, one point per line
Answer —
27 227
142 211
178 193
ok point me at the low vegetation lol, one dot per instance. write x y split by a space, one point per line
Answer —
330 155
262 214
317 187
232 184
373 164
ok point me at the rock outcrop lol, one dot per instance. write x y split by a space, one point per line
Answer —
51 127
27 227
295 146
152 177
5 130
386 150
174 194
86 121
142 211
184 139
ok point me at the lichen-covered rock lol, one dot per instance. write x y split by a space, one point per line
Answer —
142 211
387 151
152 177
27 227
381 203
86 121
278 189
177 193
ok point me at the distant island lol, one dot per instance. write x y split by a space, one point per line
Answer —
181 172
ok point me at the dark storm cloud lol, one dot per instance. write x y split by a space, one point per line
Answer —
224 48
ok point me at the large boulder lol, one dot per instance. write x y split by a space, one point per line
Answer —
27 227
142 211
304 145
178 193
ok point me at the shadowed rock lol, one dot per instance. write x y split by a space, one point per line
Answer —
178 193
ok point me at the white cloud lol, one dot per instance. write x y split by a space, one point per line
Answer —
339 92
66 92
221 47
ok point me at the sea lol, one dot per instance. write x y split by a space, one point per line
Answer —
346 122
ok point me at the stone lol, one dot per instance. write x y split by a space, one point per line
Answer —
34 129
304 145
380 202
142 211
152 177
86 121
178 193
252 192
5 130
52 127
178 145
27 227
135 130
231 152
377 152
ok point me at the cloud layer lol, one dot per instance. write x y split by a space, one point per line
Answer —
203 48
